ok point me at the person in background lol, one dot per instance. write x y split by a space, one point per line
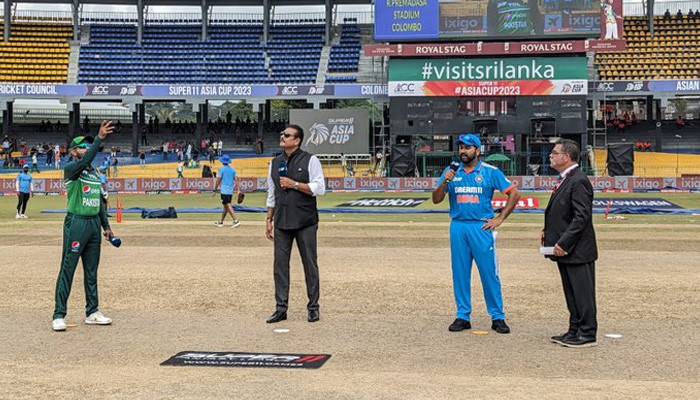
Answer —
24 191
180 165
104 187
226 179
35 162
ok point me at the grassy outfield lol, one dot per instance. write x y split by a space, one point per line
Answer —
38 203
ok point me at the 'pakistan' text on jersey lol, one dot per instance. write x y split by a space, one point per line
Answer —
84 194
470 193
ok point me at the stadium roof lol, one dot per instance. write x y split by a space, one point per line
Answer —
199 2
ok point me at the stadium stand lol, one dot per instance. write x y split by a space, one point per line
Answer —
345 55
295 52
173 53
673 53
37 52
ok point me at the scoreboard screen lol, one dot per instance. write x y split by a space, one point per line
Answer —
407 20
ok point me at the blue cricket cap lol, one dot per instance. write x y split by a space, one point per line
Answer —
469 139
225 159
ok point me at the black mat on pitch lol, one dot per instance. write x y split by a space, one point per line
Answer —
246 359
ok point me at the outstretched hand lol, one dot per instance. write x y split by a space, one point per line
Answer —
105 129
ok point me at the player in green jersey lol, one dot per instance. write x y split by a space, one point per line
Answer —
81 229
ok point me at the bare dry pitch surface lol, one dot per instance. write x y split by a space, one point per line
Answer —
386 302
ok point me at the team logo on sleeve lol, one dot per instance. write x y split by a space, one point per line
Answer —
75 246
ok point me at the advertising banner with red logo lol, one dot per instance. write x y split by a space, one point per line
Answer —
492 48
524 202
196 185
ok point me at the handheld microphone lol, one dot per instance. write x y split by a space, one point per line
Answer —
454 165
282 169
116 242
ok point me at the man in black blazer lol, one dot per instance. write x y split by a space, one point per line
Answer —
568 227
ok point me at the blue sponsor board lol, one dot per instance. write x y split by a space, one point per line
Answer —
406 19
15 91
685 85
655 203
678 86
39 90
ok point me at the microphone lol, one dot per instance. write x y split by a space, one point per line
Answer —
116 242
282 169
454 165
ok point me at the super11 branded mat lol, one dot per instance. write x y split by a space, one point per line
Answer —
246 359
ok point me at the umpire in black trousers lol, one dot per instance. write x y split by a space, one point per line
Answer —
294 181
568 227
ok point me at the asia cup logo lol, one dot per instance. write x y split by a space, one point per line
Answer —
318 134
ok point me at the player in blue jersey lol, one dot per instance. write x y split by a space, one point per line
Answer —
472 230
24 188
227 179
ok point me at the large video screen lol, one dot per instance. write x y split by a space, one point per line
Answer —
407 20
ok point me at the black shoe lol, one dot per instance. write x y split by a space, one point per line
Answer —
579 341
314 315
277 317
500 326
459 325
559 338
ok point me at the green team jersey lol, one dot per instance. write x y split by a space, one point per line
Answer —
511 17
83 187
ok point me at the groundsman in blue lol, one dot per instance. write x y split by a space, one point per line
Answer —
81 229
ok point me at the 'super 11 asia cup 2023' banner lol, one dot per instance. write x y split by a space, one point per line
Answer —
520 76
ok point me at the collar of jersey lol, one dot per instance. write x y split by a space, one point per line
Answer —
476 168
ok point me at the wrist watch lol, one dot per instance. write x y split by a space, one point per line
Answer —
296 185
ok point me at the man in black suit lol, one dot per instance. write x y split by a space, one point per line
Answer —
568 227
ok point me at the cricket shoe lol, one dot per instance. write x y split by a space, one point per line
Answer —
236 223
97 318
219 224
18 216
59 324
23 216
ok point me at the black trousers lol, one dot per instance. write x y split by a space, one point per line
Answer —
22 200
578 281
307 245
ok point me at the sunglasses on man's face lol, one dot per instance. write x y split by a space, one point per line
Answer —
287 134
84 145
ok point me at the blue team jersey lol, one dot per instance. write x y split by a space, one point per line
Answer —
25 180
228 176
471 192
103 178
